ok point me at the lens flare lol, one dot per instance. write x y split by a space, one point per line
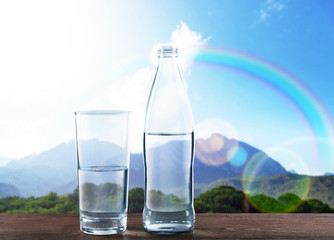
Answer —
237 156
218 150
256 186
293 159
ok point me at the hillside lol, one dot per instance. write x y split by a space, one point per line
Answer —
224 199
305 187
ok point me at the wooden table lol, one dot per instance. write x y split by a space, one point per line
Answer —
208 226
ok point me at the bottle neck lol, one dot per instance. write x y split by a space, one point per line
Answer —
168 62
168 70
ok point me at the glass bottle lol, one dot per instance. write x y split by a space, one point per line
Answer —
168 151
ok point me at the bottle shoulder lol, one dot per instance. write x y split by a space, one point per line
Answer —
169 109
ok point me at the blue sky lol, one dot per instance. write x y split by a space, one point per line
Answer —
57 57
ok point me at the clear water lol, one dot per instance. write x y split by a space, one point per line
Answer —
169 183
103 199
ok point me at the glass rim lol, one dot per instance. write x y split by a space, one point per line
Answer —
102 112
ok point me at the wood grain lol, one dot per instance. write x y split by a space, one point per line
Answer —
208 226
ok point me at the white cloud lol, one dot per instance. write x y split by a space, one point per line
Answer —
134 94
273 5
263 15
189 44
269 8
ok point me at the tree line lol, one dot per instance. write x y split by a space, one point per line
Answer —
223 199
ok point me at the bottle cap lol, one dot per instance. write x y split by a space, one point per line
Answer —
167 51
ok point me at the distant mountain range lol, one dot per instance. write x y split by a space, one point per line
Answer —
218 160
38 174
4 160
8 190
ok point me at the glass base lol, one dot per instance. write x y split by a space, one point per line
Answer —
169 223
103 226
169 228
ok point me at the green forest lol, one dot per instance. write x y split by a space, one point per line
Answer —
223 199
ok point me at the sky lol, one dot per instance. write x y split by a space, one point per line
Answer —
259 71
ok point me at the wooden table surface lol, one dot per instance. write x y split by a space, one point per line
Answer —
208 226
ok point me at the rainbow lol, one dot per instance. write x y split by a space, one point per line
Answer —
306 103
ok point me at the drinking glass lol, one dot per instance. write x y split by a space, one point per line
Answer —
103 170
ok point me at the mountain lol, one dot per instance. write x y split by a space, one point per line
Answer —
52 170
292 171
8 190
4 160
215 158
55 169
38 174
136 177
218 161
219 157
